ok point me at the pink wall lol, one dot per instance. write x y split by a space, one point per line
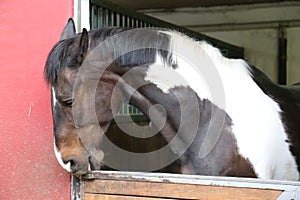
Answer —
28 169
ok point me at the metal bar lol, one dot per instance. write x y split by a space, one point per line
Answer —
117 19
112 13
103 17
197 179
132 22
92 17
99 18
122 109
106 13
128 22
123 21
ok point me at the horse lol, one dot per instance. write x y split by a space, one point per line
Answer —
220 116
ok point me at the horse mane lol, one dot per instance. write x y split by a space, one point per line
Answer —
55 60
153 42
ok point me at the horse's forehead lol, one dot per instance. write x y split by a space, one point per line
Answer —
65 81
68 75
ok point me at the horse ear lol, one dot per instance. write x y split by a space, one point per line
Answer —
84 41
69 30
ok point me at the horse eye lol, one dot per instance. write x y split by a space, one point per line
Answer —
68 102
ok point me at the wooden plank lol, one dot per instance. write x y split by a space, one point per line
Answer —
89 196
175 190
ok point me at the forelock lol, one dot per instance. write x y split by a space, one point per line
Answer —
56 59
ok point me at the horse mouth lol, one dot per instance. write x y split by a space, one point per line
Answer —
92 165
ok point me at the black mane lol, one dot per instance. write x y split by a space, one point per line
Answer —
55 60
62 55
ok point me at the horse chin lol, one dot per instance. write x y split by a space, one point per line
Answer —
80 172
95 163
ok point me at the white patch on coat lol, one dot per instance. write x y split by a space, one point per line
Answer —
256 117
54 100
165 77
67 166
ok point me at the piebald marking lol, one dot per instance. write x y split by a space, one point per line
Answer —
56 151
257 126
67 166
54 100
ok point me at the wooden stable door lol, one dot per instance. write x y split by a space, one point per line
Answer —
145 186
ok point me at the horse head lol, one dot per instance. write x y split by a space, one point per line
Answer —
77 139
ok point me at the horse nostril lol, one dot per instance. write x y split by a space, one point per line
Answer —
72 161
76 166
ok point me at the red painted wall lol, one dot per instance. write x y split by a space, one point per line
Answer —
28 168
